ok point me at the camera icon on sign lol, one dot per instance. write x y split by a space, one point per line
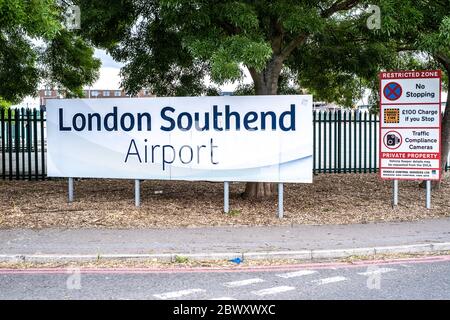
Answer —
392 140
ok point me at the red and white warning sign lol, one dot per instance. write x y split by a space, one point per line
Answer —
410 125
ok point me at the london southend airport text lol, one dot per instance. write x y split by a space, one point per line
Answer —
142 152
184 121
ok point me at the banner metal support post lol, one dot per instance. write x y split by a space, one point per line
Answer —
137 193
70 190
226 197
280 201
428 197
395 195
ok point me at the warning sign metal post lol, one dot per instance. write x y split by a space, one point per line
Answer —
410 127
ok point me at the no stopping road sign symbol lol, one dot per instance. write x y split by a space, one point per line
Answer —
392 91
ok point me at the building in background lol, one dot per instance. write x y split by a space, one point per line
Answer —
325 106
50 93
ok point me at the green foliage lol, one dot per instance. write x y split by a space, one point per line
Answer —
298 18
181 259
4 104
247 51
417 34
35 48
224 68
104 22
438 40
241 15
69 63
286 85
170 46
234 213
18 72
244 90
399 17
344 61
212 91
37 18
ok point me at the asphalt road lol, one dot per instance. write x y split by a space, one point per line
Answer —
427 278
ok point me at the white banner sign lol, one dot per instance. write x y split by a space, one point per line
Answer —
410 126
257 138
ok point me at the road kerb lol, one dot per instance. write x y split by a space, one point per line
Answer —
444 246
301 255
44 258
405 249
278 255
209 256
341 253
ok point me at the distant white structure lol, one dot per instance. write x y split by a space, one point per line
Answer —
27 103
324 106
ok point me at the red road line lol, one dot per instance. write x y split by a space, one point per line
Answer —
330 265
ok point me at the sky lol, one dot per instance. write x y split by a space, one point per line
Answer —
109 72
110 79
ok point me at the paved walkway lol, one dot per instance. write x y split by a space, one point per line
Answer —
222 239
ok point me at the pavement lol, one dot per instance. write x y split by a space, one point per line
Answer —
303 242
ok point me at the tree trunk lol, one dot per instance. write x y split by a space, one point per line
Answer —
445 134
258 190
266 83
445 138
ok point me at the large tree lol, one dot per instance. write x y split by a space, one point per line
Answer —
171 45
413 35
37 48
433 39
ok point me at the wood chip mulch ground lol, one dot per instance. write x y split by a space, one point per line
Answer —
331 199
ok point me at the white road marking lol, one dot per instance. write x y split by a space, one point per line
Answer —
376 271
241 283
296 274
330 280
223 298
273 290
177 294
